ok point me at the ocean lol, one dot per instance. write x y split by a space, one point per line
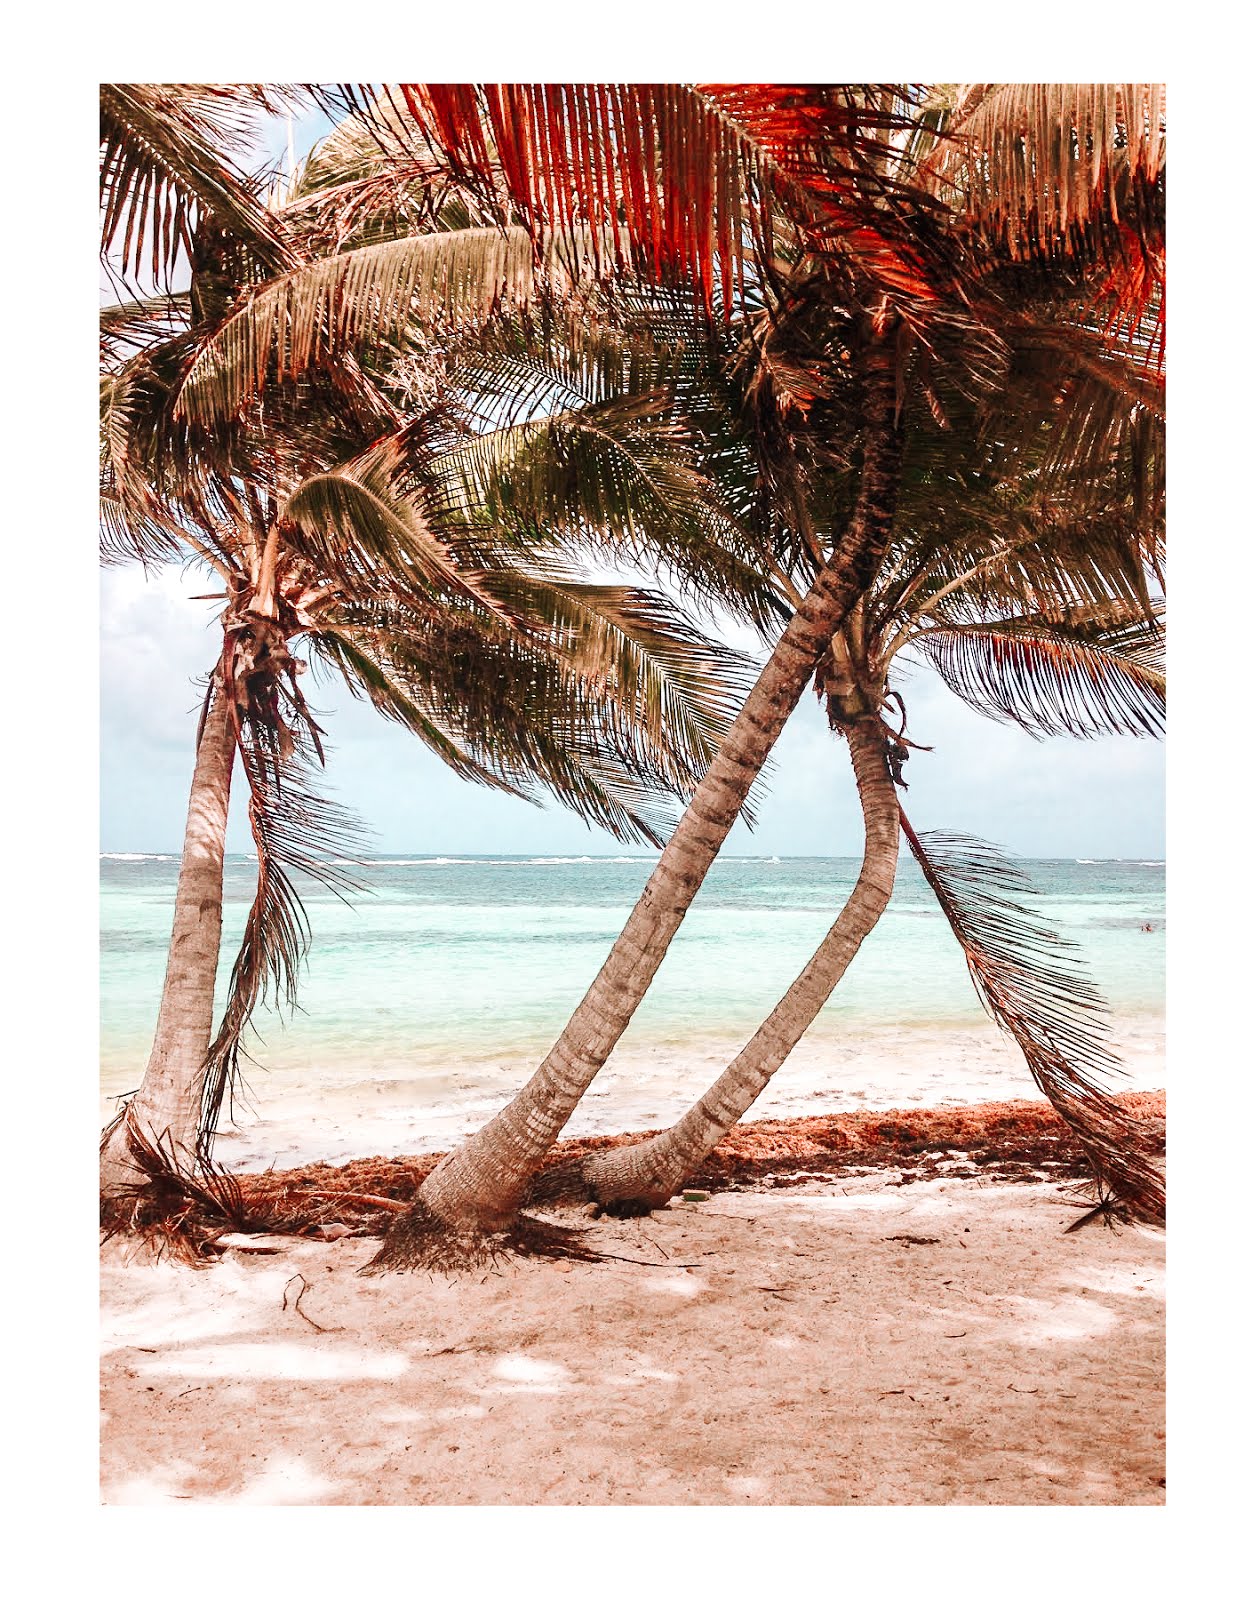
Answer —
428 1000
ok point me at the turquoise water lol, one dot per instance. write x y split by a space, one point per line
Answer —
428 1000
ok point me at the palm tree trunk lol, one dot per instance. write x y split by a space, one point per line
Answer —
165 1110
645 1175
480 1185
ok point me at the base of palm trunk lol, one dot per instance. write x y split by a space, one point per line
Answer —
607 1182
131 1160
421 1241
177 1207
625 1182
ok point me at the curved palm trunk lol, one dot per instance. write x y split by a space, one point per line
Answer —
480 1185
646 1175
166 1108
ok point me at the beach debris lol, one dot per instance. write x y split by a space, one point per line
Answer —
912 1238
297 1305
334 1230
695 1196
257 1244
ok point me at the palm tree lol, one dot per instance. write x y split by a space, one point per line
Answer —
1079 677
750 186
327 525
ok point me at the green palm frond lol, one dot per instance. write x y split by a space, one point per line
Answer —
1047 682
356 524
133 324
1030 981
371 178
366 676
533 706
666 683
619 480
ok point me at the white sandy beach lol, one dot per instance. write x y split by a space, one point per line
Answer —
868 1342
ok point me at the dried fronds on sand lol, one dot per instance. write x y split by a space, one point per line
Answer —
1007 1141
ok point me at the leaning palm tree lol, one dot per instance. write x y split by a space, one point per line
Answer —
507 667
822 231
1075 677
375 562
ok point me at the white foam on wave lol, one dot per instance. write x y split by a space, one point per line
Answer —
561 861
129 855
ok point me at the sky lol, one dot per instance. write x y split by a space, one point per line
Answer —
1056 797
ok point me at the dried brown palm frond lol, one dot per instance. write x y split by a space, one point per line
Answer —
297 833
1064 175
1030 981
175 1210
172 151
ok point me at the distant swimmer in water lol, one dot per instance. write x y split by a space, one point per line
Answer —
1146 927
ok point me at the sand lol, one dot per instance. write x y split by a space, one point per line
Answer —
873 1339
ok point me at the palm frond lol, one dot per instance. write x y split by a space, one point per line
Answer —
694 172
132 324
1065 174
354 301
363 524
1049 682
296 832
1033 985
666 683
620 479
524 707
365 675
169 151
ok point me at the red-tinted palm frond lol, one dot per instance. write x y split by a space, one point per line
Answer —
1049 682
1032 984
1066 174
171 150
694 172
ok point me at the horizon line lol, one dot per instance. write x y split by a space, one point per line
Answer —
617 860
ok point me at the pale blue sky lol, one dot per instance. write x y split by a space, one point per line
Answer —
1057 797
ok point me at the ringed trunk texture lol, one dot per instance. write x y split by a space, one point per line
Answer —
481 1183
166 1108
646 1175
